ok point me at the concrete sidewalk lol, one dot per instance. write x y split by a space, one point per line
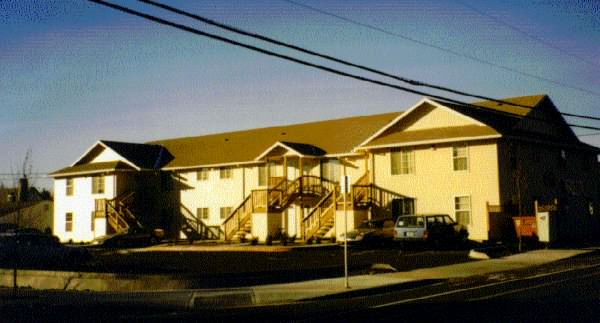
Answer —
267 294
282 293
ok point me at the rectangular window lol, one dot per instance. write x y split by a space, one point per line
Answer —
225 211
70 187
462 209
97 184
69 222
331 170
225 172
99 208
202 213
460 157
202 174
262 175
93 221
402 161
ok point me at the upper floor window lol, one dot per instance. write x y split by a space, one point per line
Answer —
462 209
331 170
225 172
402 161
97 184
202 174
70 187
262 175
460 157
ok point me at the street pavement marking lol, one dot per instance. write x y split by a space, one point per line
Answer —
456 291
512 291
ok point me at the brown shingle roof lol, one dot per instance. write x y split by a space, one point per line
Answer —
142 155
332 136
92 168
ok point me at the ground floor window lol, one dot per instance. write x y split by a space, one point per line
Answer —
225 211
202 213
69 222
462 209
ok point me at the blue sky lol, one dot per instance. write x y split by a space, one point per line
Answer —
73 72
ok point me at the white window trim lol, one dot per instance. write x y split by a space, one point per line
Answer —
102 179
470 207
226 215
200 216
206 172
411 153
70 192
72 222
227 169
467 156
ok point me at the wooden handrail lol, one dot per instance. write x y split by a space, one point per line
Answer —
200 226
238 218
319 215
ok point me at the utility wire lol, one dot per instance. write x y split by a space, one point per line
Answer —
337 60
530 36
334 59
316 66
325 56
441 48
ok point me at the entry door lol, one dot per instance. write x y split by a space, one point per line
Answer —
292 169
291 222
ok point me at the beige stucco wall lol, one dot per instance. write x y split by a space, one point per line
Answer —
107 155
216 192
81 204
429 117
435 184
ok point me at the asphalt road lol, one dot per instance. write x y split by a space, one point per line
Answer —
566 291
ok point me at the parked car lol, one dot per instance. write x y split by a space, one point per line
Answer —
370 232
38 249
129 239
435 229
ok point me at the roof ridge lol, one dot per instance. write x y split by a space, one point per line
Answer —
158 141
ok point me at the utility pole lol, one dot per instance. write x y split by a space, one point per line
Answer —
345 192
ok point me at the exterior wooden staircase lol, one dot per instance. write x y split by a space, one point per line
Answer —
368 195
195 229
321 219
119 214
274 200
238 224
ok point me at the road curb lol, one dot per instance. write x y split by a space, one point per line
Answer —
487 253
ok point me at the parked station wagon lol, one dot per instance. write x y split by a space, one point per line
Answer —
431 228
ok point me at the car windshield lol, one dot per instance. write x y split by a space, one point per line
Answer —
410 222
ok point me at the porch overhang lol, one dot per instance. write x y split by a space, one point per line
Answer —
285 148
92 169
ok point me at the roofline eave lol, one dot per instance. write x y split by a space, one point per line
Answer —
429 142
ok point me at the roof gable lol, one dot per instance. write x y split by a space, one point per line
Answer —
426 120
291 148
138 156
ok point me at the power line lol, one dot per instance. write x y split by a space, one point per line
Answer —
302 62
444 49
589 134
335 59
531 36
325 56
